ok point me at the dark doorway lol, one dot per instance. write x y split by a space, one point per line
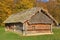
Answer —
15 26
19 26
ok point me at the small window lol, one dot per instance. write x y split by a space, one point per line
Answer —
43 11
33 27
38 12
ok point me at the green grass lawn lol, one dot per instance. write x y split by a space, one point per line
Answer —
13 36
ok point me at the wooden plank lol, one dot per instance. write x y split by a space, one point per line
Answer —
51 27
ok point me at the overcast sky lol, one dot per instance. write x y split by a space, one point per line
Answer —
43 0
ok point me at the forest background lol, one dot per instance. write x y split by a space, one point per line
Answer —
8 7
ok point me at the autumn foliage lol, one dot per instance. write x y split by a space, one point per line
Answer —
8 7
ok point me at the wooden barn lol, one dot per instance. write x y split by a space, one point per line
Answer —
34 21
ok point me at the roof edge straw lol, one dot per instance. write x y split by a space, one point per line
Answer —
50 16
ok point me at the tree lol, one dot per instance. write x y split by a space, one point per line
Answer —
54 9
8 7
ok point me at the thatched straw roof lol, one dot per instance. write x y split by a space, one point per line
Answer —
22 16
26 15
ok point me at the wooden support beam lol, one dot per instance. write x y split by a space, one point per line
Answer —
51 27
14 28
24 28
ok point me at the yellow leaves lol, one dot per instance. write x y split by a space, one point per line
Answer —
7 7
26 3
1 3
54 9
9 0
